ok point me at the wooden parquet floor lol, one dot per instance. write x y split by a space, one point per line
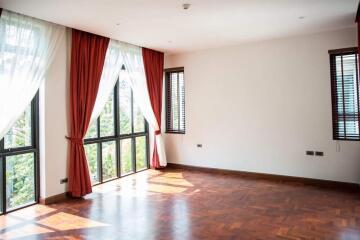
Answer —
184 204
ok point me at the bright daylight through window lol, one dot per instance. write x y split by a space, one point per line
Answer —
116 144
19 152
19 161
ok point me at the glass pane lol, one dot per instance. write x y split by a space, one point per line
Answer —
126 156
91 151
92 130
181 102
350 95
107 118
109 160
20 180
174 102
141 161
347 95
139 121
125 106
20 134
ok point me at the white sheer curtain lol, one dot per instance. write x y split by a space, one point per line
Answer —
109 76
27 46
133 61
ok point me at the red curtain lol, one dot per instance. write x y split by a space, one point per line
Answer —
154 68
87 60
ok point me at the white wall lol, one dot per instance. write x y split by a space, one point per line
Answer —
53 122
258 107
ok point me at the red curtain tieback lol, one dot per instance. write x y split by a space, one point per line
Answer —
158 132
75 140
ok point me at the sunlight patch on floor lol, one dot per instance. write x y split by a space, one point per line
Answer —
134 193
8 221
173 175
165 188
32 212
105 188
24 231
146 183
172 181
64 221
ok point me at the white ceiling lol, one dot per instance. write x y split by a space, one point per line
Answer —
165 26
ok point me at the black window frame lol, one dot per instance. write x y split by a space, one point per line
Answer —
33 148
334 94
117 137
168 102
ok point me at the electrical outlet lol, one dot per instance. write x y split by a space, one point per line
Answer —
310 153
64 180
319 154
199 145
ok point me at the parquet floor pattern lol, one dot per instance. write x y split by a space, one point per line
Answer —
184 204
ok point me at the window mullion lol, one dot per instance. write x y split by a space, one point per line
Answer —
3 180
117 128
35 131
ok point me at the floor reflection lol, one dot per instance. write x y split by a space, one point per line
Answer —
181 204
64 221
129 207
25 231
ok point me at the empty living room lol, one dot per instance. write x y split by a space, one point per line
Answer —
179 119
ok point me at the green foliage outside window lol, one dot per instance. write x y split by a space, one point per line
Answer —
20 186
19 180
131 121
126 156
141 161
91 154
109 160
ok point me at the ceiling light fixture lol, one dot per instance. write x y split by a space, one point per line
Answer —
301 17
186 6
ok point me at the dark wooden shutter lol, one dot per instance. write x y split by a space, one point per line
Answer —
345 93
175 100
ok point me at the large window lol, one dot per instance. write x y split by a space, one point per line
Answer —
175 100
116 144
345 93
19 162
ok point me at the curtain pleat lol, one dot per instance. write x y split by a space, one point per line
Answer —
109 77
88 53
154 68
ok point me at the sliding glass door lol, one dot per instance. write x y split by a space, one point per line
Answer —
116 144
19 162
